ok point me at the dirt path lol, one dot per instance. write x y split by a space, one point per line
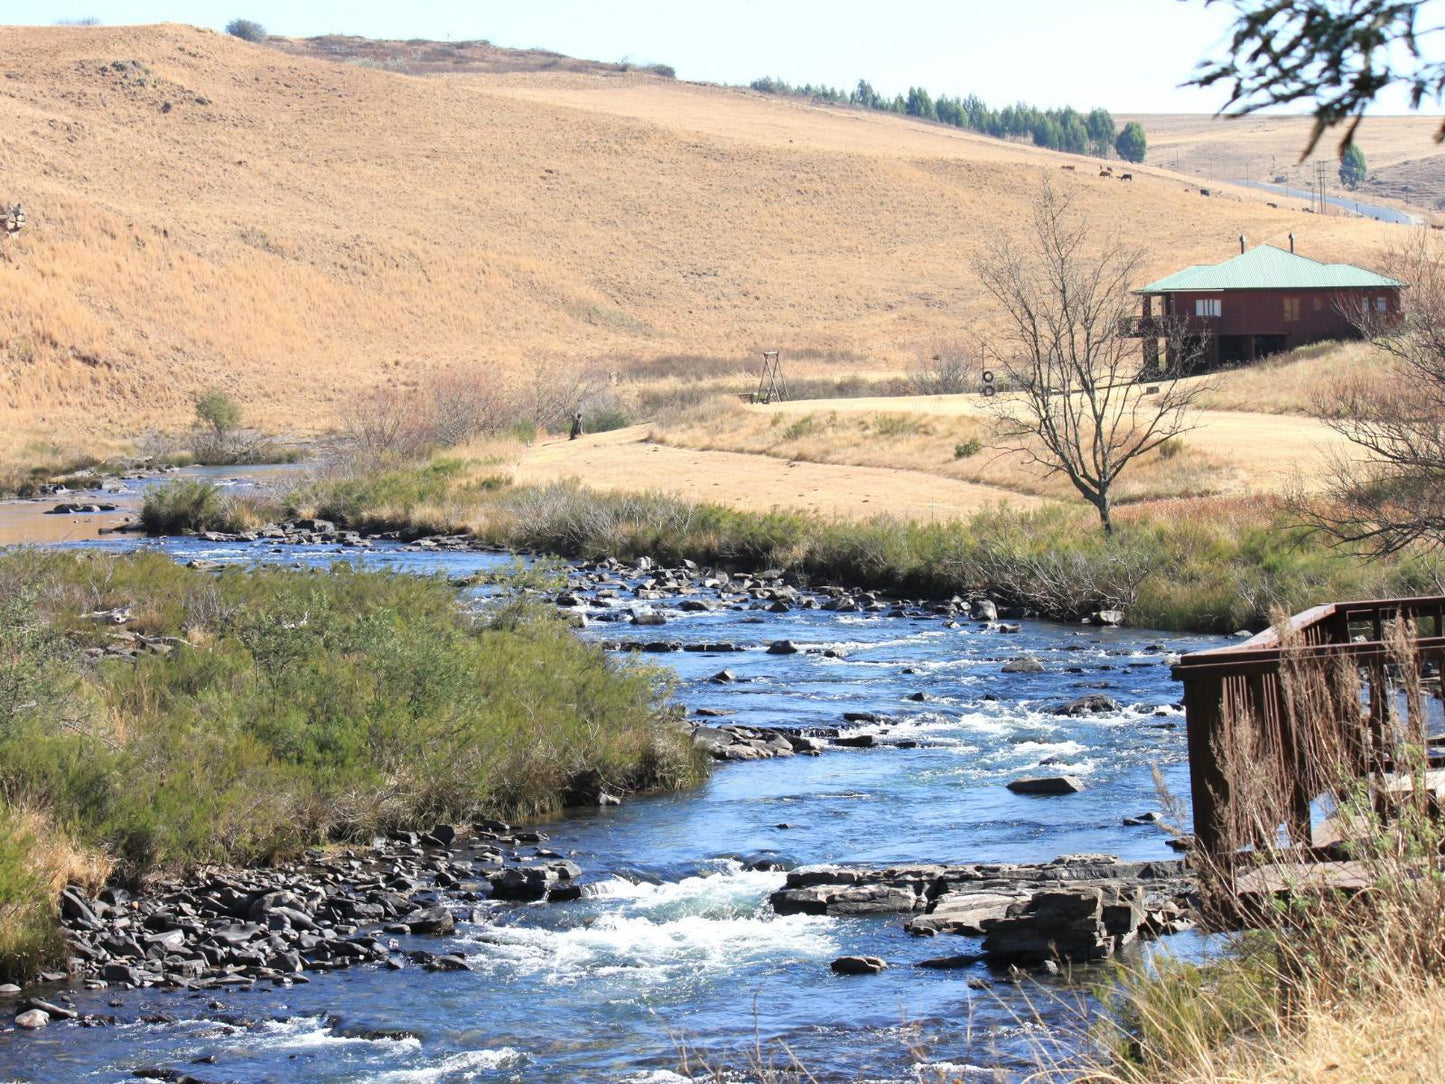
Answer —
623 460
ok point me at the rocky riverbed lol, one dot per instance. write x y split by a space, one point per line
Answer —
921 713
228 928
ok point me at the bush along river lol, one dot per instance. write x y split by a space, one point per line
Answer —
856 887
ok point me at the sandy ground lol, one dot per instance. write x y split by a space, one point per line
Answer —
623 460
1271 452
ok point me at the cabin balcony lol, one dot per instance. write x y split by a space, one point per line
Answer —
1166 327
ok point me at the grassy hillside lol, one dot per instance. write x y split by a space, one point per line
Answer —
1407 166
206 211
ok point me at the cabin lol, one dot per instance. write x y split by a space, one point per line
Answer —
1263 301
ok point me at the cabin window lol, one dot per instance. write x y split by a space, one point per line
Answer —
1206 306
1382 304
1291 310
1319 304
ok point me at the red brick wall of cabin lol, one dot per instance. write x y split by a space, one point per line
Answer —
1316 314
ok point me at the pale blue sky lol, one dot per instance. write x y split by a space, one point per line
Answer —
1126 55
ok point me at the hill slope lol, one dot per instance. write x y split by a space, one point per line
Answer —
207 211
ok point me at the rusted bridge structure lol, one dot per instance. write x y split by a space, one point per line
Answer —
1282 712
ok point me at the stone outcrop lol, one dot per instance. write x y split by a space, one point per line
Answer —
1076 908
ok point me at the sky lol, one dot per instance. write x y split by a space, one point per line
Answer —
1124 55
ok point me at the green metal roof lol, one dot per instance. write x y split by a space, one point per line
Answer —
1268 268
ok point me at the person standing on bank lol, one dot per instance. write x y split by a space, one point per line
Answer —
576 426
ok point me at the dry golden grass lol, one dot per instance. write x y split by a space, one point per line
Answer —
293 229
53 856
935 443
1398 150
1292 383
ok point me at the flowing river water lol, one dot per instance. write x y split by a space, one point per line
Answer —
679 949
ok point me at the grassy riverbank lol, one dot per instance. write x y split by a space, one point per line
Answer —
263 711
1215 564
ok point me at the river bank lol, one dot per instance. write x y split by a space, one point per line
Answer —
1209 565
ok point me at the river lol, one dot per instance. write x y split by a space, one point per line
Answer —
679 949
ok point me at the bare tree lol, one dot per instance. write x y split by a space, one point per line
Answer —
380 425
555 388
461 405
1393 495
1078 399
946 367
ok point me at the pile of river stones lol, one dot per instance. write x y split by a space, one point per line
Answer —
236 927
1075 909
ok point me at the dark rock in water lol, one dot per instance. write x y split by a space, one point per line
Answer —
723 677
855 741
447 963
1058 784
371 1034
949 963
522 885
444 834
433 920
917 697
121 973
782 647
648 619
863 717
1142 819
1093 704
858 965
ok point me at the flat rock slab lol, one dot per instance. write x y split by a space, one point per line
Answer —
1078 907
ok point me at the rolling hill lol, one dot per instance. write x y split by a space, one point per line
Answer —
207 211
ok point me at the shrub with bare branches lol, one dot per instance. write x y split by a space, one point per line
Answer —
948 367
1392 496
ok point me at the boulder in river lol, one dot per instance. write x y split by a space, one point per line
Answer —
1024 664
32 1019
1053 784
1093 704
858 965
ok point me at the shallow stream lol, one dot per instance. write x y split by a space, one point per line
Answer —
680 949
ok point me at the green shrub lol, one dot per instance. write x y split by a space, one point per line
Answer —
964 449
606 419
805 426
894 425
217 411
1168 449
184 505
246 30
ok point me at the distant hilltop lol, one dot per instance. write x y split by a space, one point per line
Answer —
418 56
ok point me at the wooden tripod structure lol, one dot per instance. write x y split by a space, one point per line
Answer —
772 384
